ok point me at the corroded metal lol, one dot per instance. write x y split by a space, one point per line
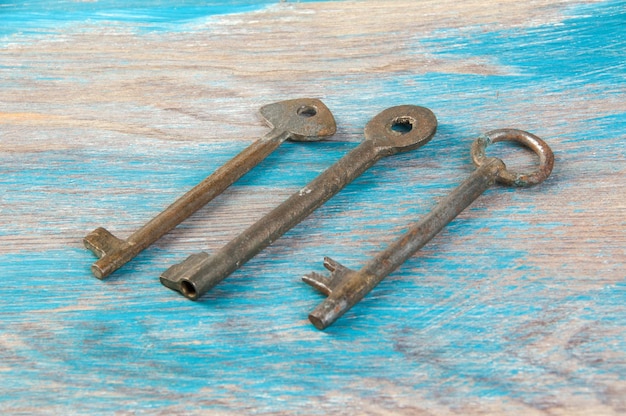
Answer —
394 130
303 119
345 287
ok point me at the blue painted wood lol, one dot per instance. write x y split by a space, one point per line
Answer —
517 307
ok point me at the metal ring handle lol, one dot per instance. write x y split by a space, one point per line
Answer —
506 177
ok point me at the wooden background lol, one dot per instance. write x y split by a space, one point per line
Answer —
108 114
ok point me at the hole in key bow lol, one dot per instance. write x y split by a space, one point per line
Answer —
402 125
517 156
307 111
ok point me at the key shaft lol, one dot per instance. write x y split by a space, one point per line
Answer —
301 119
346 287
200 272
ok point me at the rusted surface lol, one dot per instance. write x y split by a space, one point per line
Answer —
346 287
303 119
394 130
506 177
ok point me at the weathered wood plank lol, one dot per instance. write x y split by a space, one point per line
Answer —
516 307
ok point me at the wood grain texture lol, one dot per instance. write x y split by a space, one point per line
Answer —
517 307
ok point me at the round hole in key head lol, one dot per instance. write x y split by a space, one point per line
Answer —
506 177
306 111
188 289
422 121
402 125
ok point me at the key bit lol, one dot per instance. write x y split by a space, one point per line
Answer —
304 119
397 129
346 287
324 284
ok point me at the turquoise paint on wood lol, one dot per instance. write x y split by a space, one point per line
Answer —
517 307
45 17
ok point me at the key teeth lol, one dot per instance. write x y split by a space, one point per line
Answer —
334 266
172 277
324 284
101 242
318 281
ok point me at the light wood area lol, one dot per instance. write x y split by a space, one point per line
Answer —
517 307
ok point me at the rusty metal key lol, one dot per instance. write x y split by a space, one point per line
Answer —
304 119
397 129
346 287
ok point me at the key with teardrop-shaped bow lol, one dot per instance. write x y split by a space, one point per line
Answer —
302 119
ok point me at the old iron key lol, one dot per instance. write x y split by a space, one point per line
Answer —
304 119
346 287
397 129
